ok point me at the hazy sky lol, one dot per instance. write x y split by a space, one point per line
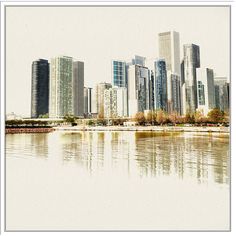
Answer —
96 35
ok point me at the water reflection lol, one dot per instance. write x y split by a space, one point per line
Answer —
146 154
27 145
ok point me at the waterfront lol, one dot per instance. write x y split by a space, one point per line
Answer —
117 180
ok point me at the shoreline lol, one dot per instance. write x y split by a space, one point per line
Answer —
205 129
147 128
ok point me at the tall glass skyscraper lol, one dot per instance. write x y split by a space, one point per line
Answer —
160 85
138 89
221 93
119 73
189 88
66 87
205 79
39 88
169 50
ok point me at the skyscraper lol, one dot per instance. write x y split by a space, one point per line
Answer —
176 93
78 88
151 90
66 87
39 88
138 60
169 50
87 101
221 93
161 85
115 102
189 78
138 89
205 79
119 73
100 97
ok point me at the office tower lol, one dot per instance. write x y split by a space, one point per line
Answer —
119 78
161 85
206 79
176 93
151 90
201 93
100 97
138 89
115 102
138 60
66 87
221 93
39 88
189 78
169 50
87 101
78 88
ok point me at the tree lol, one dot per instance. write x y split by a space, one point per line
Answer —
161 117
174 118
139 118
215 115
69 118
189 118
151 117
199 117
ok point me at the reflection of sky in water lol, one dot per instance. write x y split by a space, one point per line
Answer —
204 158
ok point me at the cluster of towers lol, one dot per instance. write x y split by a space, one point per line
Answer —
57 88
170 84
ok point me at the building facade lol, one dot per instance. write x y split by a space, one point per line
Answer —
189 87
87 101
160 85
138 89
66 87
78 88
115 102
169 50
221 93
205 81
100 88
119 77
39 88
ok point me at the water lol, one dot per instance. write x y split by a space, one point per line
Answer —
117 181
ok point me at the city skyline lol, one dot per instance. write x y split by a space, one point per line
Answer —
101 62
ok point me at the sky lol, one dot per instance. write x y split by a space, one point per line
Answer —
96 35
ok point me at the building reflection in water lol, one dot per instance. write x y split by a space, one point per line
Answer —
32 145
183 155
149 154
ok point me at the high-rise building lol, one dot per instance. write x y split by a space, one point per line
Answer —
169 50
66 87
115 102
161 85
138 60
221 93
39 88
205 79
151 90
175 94
119 78
78 88
100 97
189 78
138 89
87 101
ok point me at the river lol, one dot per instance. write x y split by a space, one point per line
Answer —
117 181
